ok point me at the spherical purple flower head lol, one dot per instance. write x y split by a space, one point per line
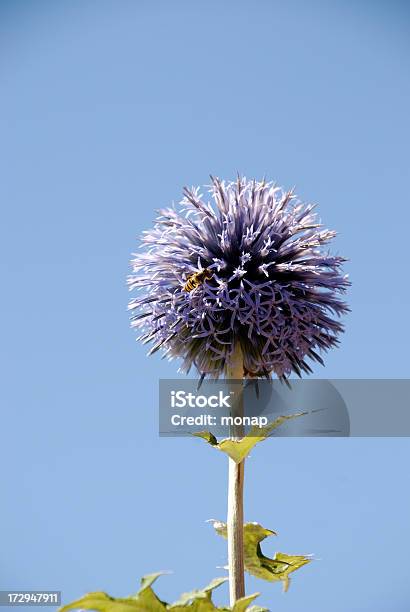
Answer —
269 284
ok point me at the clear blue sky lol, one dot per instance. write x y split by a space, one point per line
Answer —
106 110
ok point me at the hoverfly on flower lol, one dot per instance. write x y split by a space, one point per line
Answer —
196 279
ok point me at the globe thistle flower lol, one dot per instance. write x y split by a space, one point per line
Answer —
250 267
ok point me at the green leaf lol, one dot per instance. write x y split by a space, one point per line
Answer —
238 450
199 600
199 594
144 600
255 561
208 436
243 604
148 580
104 603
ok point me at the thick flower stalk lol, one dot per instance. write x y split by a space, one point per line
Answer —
250 267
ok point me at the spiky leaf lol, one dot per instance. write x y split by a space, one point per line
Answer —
238 450
142 601
199 600
256 563
243 604
198 596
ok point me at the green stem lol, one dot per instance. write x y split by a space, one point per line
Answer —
236 477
